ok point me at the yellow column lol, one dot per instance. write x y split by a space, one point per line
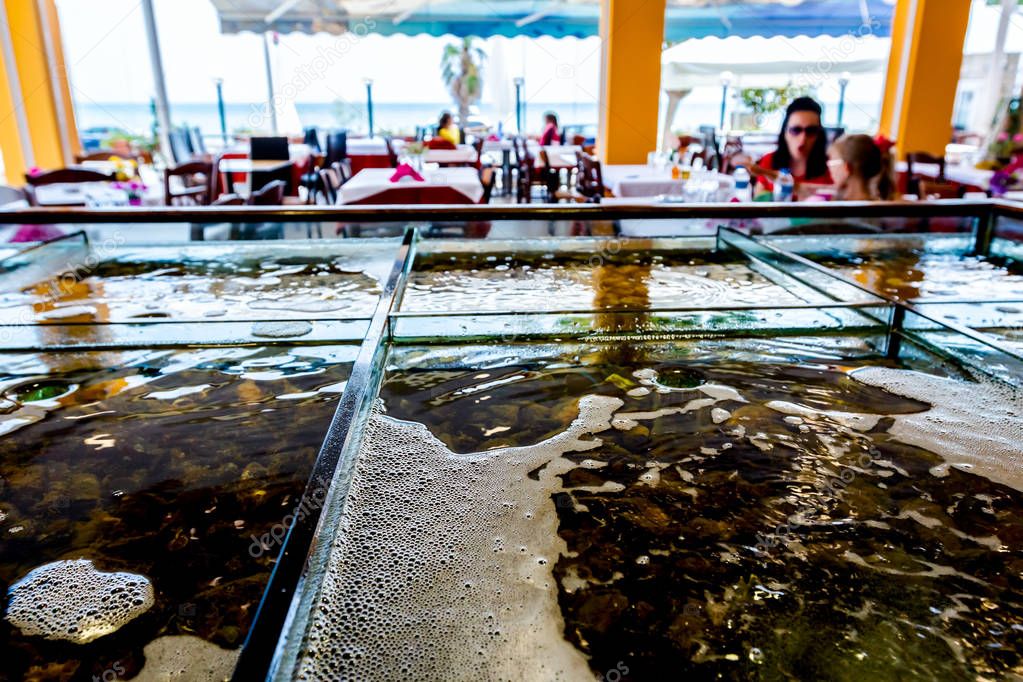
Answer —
632 35
39 87
15 145
923 73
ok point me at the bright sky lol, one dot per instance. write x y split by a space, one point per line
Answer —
109 60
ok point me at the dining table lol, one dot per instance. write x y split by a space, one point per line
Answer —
459 185
624 180
464 154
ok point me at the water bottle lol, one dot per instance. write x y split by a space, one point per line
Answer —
784 185
743 190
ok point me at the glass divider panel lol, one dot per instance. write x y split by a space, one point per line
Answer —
278 626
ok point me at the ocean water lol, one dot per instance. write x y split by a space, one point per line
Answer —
402 118
388 116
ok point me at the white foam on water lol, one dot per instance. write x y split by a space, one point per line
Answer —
74 601
852 420
975 427
442 567
281 330
188 659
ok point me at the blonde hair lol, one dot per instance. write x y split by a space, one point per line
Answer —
867 161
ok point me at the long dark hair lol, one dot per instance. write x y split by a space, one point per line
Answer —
817 163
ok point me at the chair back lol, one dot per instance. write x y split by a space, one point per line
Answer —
102 155
392 156
913 177
487 178
198 184
181 146
733 147
343 170
312 139
61 176
331 182
590 178
337 146
196 141
712 154
833 133
269 149
67 175
270 194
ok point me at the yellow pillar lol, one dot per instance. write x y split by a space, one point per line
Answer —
37 86
923 73
632 35
15 145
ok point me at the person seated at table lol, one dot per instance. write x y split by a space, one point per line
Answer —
802 148
447 130
862 168
550 134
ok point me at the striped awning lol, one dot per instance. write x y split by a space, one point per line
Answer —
685 19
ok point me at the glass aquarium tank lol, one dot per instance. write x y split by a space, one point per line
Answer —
746 456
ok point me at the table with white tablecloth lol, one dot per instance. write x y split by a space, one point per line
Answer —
640 181
441 186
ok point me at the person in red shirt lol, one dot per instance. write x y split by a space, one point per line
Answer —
550 133
802 148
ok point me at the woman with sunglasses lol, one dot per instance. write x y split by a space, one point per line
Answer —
802 148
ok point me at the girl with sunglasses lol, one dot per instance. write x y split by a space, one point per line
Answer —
802 148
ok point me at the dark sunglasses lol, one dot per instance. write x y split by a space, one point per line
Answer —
795 131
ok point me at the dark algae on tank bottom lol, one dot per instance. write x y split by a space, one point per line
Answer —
739 519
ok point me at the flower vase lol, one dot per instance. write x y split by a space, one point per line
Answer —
417 162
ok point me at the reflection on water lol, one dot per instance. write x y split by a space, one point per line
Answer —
910 269
744 514
164 284
163 464
603 281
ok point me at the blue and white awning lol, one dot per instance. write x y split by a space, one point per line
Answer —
685 19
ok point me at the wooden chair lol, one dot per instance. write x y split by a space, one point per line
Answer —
103 155
330 182
487 177
270 149
343 170
270 194
932 189
589 183
913 178
392 156
732 148
61 176
198 182
181 146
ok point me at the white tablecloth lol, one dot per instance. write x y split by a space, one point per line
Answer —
464 154
640 181
93 194
954 172
371 181
366 146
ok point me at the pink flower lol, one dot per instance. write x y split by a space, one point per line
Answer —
34 171
1003 137
1018 137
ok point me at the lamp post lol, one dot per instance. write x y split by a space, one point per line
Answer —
369 103
219 82
520 83
843 83
726 81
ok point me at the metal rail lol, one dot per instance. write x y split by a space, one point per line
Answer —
427 214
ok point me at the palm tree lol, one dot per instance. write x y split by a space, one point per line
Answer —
462 67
